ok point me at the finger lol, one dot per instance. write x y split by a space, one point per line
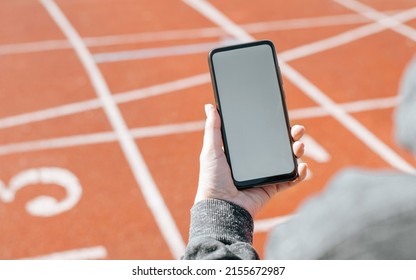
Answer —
302 173
298 149
297 132
212 134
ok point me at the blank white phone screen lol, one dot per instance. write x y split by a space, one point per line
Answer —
252 112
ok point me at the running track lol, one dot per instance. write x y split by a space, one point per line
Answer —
101 111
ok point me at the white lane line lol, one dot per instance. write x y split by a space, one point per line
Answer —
349 122
99 138
315 151
210 12
370 104
54 112
350 107
204 47
381 18
164 88
343 38
169 129
208 32
265 225
39 46
88 253
296 53
304 23
60 142
144 179
155 52
355 127
83 106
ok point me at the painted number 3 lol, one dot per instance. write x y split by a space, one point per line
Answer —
44 206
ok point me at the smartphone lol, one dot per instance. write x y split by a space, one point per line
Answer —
254 121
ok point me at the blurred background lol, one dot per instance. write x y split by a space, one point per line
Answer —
101 111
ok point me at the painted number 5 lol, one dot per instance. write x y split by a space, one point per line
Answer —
44 206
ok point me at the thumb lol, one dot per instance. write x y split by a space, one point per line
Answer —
212 135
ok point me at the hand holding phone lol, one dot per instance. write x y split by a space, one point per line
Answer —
255 127
215 180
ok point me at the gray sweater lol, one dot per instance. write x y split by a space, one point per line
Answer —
220 230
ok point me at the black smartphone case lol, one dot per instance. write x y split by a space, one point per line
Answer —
259 181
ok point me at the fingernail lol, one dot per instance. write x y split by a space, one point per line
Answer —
207 108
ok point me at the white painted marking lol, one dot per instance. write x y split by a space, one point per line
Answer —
57 143
79 107
83 106
54 112
44 206
265 225
145 181
307 113
355 127
254 28
380 18
164 88
156 52
161 130
87 253
34 47
331 42
303 23
314 150
350 107
99 138
296 53
154 36
343 38
183 34
370 104
210 12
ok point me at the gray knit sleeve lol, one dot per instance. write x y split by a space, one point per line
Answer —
220 230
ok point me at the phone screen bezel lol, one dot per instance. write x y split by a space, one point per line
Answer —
264 180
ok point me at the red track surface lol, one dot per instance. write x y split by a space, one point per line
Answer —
40 71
